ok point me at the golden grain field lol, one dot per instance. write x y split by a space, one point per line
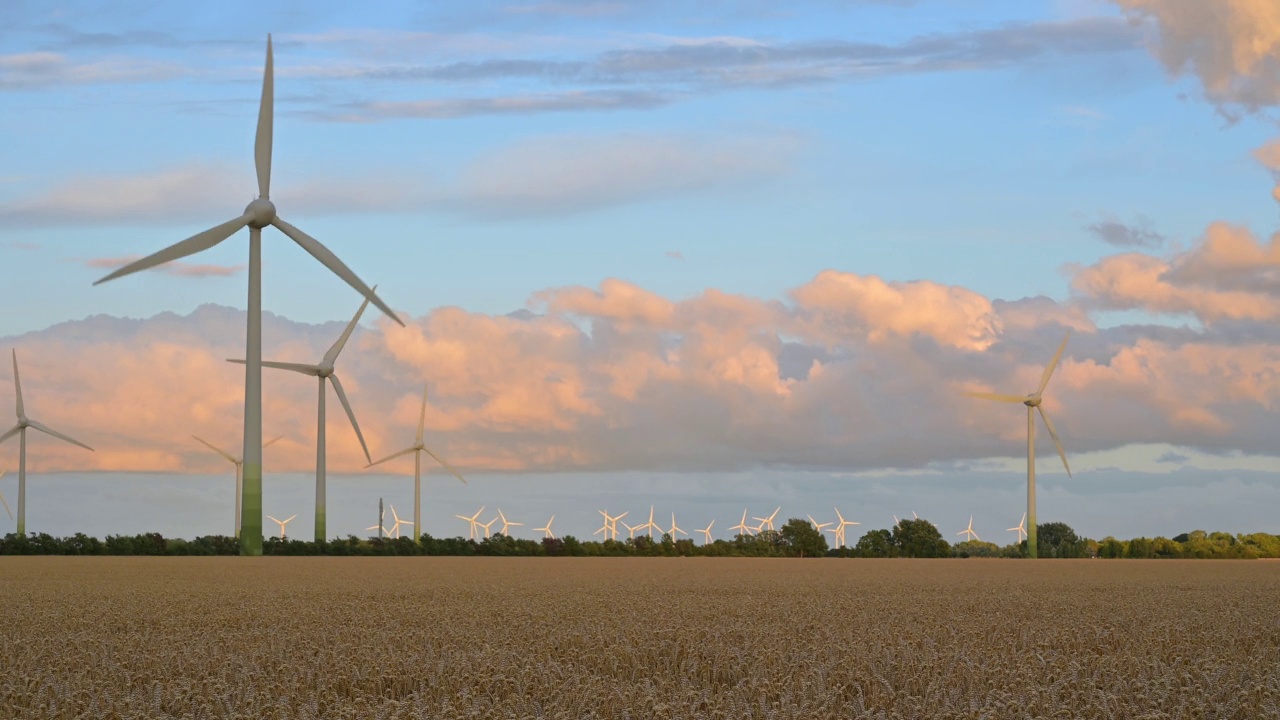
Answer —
637 638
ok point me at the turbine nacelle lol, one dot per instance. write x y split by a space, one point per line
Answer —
1033 400
260 213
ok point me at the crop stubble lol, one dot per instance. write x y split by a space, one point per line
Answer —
637 638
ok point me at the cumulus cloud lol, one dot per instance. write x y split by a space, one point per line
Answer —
1231 46
847 372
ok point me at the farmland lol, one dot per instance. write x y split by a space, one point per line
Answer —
636 637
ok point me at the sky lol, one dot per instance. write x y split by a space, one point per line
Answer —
695 255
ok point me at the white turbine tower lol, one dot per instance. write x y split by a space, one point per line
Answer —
282 523
473 521
650 525
1020 529
674 528
20 430
259 214
968 532
1032 402
397 522
486 527
324 371
239 463
841 525
417 449
547 529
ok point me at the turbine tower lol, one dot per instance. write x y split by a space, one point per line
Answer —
651 525
507 524
3 501
674 528
324 371
239 463
742 524
474 521
259 214
968 532
397 522
706 532
417 449
841 525
20 430
1032 402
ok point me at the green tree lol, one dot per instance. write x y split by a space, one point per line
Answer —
802 539
1058 540
875 544
919 538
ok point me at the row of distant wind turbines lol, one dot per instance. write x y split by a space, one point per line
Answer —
260 213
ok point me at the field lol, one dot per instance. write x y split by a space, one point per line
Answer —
637 638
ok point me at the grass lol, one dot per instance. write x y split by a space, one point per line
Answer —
636 638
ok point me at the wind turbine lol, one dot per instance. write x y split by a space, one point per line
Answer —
817 526
547 530
1032 402
674 529
322 371
507 524
841 525
257 215
20 430
742 525
239 463
282 523
706 532
631 530
382 531
968 532
486 527
395 526
1021 528
650 525
767 523
613 523
3 501
417 449
473 520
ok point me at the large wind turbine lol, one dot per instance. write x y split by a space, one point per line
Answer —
324 370
20 430
417 449
1032 402
259 214
239 463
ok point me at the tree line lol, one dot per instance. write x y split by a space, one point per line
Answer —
915 538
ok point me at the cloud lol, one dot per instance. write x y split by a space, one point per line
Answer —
35 70
1231 46
1114 232
548 175
674 254
571 101
176 267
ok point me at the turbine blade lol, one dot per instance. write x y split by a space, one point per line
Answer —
6 506
266 116
17 383
270 442
216 449
422 415
456 474
351 415
332 355
50 431
402 453
1048 370
331 261
1053 433
192 245
997 397
304 368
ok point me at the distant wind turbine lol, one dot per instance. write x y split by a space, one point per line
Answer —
20 430
817 526
259 214
474 521
650 525
742 524
706 532
397 522
968 532
841 525
507 524
546 530
486 527
1021 528
766 523
324 371
239 464
1032 402
282 523
417 449
674 528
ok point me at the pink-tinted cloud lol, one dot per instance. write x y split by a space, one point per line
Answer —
178 268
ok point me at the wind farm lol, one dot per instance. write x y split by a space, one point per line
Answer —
704 259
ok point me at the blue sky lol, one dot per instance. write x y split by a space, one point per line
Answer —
495 156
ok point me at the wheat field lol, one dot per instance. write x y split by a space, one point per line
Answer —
637 638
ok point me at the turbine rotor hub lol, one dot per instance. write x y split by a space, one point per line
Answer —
1032 401
260 213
